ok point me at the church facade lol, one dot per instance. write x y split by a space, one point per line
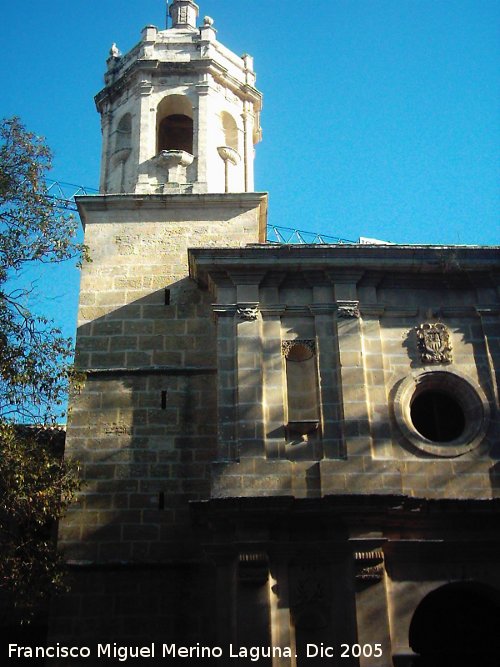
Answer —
290 450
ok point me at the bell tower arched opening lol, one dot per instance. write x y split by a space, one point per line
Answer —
175 124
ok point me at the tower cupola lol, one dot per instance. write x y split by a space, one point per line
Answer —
180 112
183 14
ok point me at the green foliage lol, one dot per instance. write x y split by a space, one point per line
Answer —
34 356
36 485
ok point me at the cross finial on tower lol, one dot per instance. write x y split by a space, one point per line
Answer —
184 14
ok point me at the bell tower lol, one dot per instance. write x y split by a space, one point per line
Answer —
180 112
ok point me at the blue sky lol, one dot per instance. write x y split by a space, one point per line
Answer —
381 117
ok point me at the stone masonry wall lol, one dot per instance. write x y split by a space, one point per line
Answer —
144 425
362 325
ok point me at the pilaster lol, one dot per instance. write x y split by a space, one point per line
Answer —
226 384
355 410
490 324
249 380
371 602
329 380
200 139
226 601
373 359
272 370
281 627
248 127
106 125
146 149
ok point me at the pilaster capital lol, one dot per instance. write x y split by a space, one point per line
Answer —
106 118
248 114
203 89
247 312
145 88
348 309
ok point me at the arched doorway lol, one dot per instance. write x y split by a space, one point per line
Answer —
457 625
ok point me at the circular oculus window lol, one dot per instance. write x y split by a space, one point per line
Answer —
442 413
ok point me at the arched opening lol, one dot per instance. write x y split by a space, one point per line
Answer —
175 124
176 134
124 132
230 130
457 625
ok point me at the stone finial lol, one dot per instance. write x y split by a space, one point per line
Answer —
183 14
114 51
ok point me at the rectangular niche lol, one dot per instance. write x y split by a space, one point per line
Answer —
302 409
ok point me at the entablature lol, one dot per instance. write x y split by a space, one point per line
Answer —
401 267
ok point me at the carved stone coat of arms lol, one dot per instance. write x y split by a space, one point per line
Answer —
434 343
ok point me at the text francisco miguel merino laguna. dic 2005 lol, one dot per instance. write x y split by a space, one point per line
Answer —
122 653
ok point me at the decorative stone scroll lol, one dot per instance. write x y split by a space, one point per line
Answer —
434 343
247 312
369 566
253 568
348 310
288 345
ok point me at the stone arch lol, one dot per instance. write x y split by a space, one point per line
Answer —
123 136
457 624
174 124
230 131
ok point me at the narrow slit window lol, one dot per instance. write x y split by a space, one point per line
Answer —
161 500
167 297
164 397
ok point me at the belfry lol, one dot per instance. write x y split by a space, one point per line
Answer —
288 451
180 112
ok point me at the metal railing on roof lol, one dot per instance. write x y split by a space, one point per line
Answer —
63 194
278 234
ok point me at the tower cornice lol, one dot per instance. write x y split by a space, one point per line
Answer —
157 67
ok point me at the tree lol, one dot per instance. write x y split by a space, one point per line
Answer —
33 354
36 485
